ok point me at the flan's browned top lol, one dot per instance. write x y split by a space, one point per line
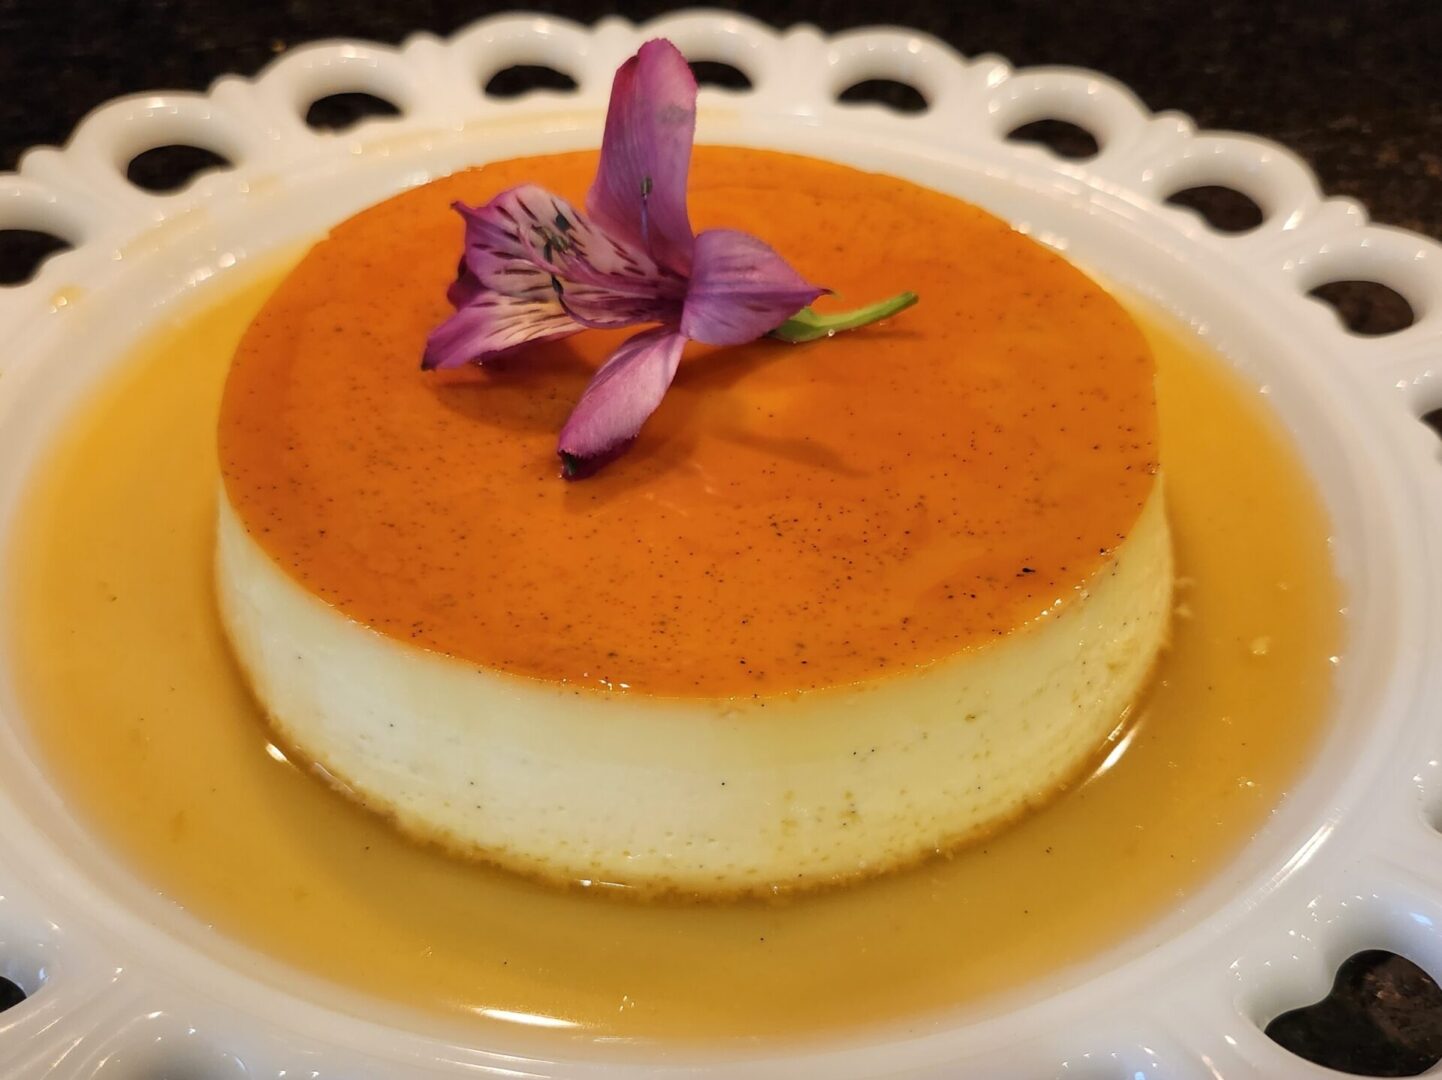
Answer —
792 516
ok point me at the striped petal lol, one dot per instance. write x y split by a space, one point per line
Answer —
491 325
536 268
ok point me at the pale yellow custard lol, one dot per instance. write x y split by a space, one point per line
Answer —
840 607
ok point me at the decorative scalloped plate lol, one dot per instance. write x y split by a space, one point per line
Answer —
123 985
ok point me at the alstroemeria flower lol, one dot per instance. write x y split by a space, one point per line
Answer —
536 268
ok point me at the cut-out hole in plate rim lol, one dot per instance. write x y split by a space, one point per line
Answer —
23 250
898 96
1223 208
340 112
1066 140
1366 308
169 168
520 79
1382 1017
11 994
719 73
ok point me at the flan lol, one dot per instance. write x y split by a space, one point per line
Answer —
840 607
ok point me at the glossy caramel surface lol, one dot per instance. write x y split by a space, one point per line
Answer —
792 516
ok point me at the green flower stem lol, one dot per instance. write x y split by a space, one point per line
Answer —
806 325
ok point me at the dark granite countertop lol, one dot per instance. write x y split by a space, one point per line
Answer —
1355 88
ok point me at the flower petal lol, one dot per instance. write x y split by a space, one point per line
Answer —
491 325
529 242
639 194
535 268
465 288
741 289
624 392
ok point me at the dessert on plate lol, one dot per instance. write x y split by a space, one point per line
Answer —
780 614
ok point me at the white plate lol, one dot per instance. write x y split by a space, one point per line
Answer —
125 985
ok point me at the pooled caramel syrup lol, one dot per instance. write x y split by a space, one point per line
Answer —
144 724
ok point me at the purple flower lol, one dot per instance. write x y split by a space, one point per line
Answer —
535 268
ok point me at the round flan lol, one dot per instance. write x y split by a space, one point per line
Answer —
841 606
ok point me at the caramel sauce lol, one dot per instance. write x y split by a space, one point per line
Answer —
144 724
791 516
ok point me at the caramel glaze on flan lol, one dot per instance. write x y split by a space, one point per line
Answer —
841 606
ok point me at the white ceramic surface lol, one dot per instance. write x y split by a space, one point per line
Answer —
124 985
